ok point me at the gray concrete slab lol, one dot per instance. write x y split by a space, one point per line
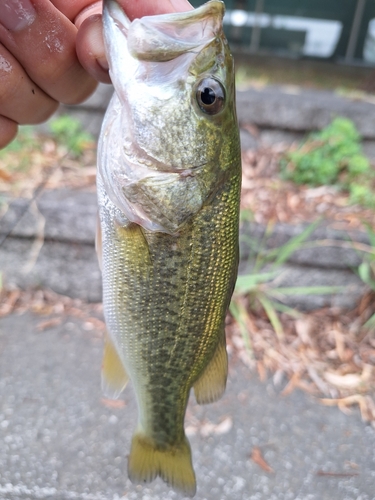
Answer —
67 262
68 216
60 442
301 110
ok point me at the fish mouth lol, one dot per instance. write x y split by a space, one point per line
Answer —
164 37
154 62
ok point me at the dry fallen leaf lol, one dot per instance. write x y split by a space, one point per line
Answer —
365 403
303 328
4 175
351 464
336 474
48 323
257 457
223 427
262 372
113 403
9 301
350 380
291 385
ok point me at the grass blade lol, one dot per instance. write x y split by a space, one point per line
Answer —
283 253
246 283
270 310
239 313
370 323
370 233
287 310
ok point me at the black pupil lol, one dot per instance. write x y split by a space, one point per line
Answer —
208 96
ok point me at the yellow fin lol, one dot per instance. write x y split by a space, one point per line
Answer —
136 239
98 241
173 464
211 384
114 376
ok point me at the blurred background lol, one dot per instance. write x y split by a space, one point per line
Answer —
335 31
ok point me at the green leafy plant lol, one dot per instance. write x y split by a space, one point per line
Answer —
333 156
16 154
68 132
260 287
366 271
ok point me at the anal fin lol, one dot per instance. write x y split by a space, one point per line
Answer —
211 384
114 376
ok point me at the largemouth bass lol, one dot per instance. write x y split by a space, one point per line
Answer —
168 190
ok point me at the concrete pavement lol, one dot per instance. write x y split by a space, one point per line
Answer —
60 441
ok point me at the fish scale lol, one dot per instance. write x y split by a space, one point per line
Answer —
175 305
168 193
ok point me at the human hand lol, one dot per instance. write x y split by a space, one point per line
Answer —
39 67
39 44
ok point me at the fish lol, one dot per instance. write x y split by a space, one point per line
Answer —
168 183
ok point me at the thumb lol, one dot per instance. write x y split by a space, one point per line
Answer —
90 45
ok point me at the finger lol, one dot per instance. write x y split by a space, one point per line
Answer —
8 131
42 39
90 45
21 100
90 49
73 8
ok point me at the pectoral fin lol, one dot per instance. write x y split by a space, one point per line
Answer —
211 384
114 376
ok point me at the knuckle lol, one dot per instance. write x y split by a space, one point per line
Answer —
10 82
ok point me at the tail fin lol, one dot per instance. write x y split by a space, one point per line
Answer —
173 464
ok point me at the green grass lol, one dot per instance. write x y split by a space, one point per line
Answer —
366 272
16 155
68 131
333 156
260 288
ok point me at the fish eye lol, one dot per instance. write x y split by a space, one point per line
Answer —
210 96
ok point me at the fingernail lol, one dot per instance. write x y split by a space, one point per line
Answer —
91 10
16 15
181 5
103 63
94 41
